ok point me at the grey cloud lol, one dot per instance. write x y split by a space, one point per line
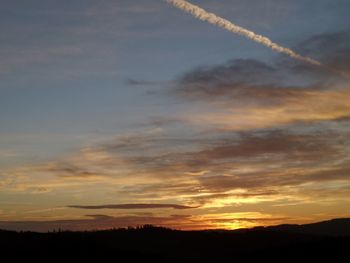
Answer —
266 180
289 159
135 82
71 170
152 190
243 83
248 70
269 143
94 223
330 48
97 222
161 121
100 221
250 146
257 161
333 173
131 206
333 48
259 82
231 79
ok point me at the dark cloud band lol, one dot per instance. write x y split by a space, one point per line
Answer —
131 206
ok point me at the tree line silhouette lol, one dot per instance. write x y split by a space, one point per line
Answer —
327 240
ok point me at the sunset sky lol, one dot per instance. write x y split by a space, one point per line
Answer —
119 113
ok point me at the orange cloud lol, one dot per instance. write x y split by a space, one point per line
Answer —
308 106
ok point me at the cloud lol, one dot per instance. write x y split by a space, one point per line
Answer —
246 147
135 82
303 107
256 82
161 121
339 172
245 94
95 222
229 197
215 169
40 190
258 162
237 104
101 221
69 170
264 143
333 48
271 180
132 206
213 19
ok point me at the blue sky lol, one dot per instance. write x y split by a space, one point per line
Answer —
78 75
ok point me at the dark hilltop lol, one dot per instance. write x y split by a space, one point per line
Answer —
328 240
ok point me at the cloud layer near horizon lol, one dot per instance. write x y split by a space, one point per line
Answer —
131 206
184 222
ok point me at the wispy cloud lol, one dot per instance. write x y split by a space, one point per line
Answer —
211 18
197 170
251 94
131 206
98 221
136 82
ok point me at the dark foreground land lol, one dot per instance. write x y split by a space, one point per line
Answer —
328 240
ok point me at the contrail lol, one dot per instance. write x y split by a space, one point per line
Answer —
201 14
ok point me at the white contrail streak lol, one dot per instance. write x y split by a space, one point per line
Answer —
201 14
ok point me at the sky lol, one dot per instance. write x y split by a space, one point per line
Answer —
119 113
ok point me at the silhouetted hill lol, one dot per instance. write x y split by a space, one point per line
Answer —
334 227
153 244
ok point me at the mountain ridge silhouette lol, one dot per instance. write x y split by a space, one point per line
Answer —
332 227
325 240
